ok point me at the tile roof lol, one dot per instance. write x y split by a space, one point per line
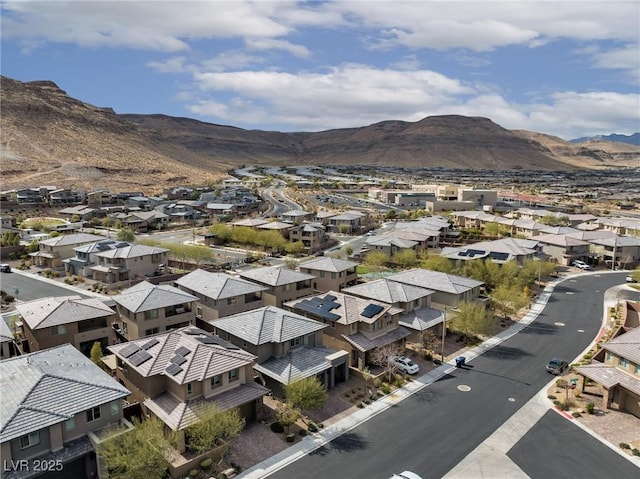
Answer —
217 285
131 251
78 238
363 343
326 263
207 355
249 222
53 311
268 325
274 225
50 386
421 319
348 308
561 240
435 280
390 292
275 275
146 296
610 376
5 331
298 364
181 414
390 241
626 345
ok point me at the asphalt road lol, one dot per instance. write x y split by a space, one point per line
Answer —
32 288
433 430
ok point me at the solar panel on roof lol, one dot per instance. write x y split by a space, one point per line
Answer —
150 344
371 310
330 297
499 256
173 369
129 350
207 340
140 357
177 359
193 331
309 307
182 351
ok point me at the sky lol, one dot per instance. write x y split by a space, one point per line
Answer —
569 68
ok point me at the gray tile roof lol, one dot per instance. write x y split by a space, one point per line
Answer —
560 240
275 275
50 386
435 280
300 363
326 263
5 331
53 311
131 251
249 222
391 241
217 285
268 325
617 241
421 319
363 343
610 376
390 292
349 307
181 414
202 362
78 238
626 345
146 296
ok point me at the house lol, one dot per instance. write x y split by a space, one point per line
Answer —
83 212
123 261
52 321
63 196
497 251
53 251
563 248
8 346
448 289
623 250
347 222
280 227
288 347
390 245
312 235
171 374
356 325
142 221
414 303
56 406
330 273
99 197
146 309
296 216
220 294
283 284
617 377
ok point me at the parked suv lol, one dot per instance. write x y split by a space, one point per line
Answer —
581 265
5 268
557 366
405 364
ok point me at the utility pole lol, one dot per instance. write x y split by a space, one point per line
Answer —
444 332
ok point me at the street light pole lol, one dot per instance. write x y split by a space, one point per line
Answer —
444 332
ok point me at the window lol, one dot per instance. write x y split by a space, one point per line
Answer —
115 408
93 414
198 311
151 314
58 330
637 368
232 300
322 274
624 363
189 389
375 326
31 439
70 424
333 275
389 319
609 356
233 375
216 381
149 332
296 341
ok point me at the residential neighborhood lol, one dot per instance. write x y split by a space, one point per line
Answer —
171 306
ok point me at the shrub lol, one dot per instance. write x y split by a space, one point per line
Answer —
377 382
194 473
566 405
556 402
320 425
291 437
302 432
312 427
428 356
360 405
277 427
591 407
206 464
576 414
551 396
624 445
636 452
385 388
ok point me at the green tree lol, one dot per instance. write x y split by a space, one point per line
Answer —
508 299
405 258
470 318
125 234
344 229
287 415
96 353
10 238
295 248
213 427
438 263
137 454
307 393
391 214
374 260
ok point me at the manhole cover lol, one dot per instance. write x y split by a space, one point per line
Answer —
464 388
569 292
558 324
581 330
512 399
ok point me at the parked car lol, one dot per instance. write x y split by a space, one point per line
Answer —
406 475
629 279
581 265
5 268
557 366
405 364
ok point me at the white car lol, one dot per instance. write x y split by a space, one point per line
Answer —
581 265
629 279
405 364
406 475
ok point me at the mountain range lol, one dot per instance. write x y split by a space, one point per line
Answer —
50 138
633 139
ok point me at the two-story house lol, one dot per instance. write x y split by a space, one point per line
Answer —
220 295
449 289
331 274
8 346
53 321
288 347
284 284
296 216
416 314
56 405
312 235
53 251
564 249
356 325
498 251
618 376
172 374
123 261
146 309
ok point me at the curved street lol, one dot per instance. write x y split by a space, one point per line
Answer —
434 429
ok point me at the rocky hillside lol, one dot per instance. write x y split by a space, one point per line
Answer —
51 138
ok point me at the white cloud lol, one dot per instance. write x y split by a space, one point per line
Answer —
231 60
274 44
170 65
620 58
